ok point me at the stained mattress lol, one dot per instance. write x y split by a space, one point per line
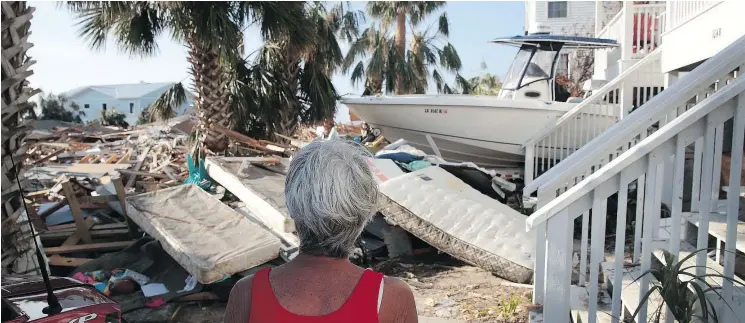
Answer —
440 209
208 238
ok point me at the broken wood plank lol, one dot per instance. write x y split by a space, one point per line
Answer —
86 158
64 234
140 161
121 195
71 227
83 169
138 173
125 158
96 199
112 159
53 209
90 247
77 213
75 237
57 260
48 157
37 193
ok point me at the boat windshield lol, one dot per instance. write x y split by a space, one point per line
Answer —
516 69
530 65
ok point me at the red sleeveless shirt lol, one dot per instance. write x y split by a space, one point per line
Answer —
361 307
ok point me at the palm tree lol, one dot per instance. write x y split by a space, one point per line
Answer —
53 108
397 12
484 84
17 252
391 64
211 31
290 80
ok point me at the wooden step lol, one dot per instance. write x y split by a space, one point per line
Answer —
718 227
579 302
630 290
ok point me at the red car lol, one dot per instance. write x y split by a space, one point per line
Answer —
24 298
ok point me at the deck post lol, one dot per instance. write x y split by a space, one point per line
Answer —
529 162
558 279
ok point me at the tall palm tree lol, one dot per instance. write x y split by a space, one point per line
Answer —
211 31
397 12
294 77
376 43
17 251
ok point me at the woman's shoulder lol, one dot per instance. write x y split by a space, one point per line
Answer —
398 303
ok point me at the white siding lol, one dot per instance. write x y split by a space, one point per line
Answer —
580 18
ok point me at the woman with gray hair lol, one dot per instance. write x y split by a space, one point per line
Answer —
331 195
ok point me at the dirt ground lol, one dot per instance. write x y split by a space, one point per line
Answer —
443 287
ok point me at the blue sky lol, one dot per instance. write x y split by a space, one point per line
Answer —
64 61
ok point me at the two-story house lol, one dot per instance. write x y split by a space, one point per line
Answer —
129 99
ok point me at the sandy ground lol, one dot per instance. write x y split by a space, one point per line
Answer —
446 291
447 288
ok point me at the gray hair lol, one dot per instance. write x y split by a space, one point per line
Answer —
331 195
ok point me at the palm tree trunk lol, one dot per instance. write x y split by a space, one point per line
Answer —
213 96
289 77
18 255
401 46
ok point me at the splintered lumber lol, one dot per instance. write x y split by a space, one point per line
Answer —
75 237
86 158
242 138
138 173
77 213
48 157
140 161
125 158
90 247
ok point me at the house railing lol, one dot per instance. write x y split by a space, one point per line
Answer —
588 119
637 27
699 104
680 12
660 109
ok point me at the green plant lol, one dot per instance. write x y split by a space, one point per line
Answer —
686 299
508 306
113 118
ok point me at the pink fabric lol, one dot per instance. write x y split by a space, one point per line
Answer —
84 279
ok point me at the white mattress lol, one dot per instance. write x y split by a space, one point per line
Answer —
440 209
208 238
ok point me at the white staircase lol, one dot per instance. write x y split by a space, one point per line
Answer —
646 149
635 72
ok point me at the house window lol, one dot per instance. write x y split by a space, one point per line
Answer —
131 107
557 9
104 106
86 106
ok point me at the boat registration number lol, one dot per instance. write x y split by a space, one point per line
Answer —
439 111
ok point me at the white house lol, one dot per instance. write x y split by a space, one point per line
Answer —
576 18
129 99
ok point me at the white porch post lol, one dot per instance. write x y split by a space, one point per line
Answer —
599 17
627 34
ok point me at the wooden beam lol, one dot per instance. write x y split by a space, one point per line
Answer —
97 199
57 260
71 227
122 196
60 234
77 213
140 161
125 158
53 209
75 237
90 247
138 173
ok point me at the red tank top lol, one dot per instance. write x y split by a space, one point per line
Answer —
361 307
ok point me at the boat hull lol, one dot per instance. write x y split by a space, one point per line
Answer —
484 130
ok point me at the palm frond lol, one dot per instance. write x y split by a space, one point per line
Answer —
443 26
166 104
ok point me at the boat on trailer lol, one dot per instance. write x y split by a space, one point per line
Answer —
486 130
